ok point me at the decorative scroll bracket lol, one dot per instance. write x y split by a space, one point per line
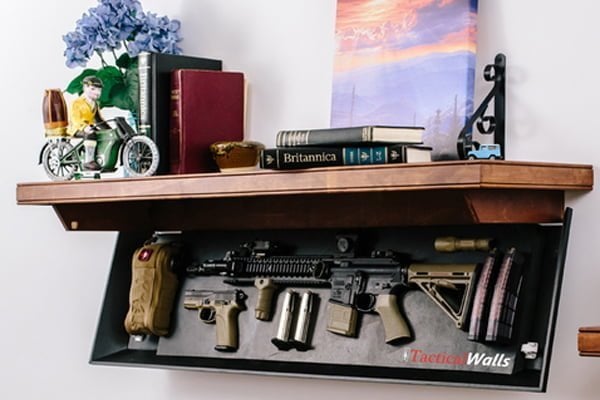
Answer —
488 124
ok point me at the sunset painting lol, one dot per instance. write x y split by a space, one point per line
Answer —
407 63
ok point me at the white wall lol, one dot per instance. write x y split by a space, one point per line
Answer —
52 282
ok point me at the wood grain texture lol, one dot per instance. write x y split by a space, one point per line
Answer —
588 341
456 192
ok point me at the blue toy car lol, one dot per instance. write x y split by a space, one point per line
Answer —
485 151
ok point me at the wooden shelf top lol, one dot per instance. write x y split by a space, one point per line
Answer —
453 192
403 177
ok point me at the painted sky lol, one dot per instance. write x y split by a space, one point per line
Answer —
376 32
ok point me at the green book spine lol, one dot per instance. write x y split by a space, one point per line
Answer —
311 157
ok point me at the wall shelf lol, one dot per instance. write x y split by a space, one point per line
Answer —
395 206
453 192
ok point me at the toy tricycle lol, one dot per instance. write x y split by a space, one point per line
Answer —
137 153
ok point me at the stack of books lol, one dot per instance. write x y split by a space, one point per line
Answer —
154 74
186 104
363 145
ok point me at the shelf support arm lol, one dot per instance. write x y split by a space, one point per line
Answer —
488 124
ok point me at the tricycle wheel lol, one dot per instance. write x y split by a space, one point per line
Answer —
140 156
52 160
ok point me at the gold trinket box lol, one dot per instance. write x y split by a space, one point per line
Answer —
236 156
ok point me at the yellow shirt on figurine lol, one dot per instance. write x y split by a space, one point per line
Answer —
82 115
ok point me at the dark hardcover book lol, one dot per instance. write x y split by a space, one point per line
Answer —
503 306
155 90
483 296
206 107
351 135
310 157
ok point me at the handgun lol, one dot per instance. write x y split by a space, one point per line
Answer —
220 307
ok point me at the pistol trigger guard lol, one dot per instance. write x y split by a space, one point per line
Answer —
207 315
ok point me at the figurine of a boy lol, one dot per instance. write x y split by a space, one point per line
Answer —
84 117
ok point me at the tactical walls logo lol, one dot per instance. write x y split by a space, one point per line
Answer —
468 358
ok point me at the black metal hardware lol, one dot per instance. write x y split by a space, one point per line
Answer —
488 124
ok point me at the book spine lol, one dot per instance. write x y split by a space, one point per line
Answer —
145 94
175 125
296 158
297 138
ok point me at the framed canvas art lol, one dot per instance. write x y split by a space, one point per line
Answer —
406 63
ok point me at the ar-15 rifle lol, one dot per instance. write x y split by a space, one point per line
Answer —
358 284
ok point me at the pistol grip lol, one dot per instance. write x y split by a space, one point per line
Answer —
394 324
227 326
266 288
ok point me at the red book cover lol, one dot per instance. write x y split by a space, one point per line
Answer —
206 107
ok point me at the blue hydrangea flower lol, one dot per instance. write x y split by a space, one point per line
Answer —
111 22
121 17
79 49
114 22
157 34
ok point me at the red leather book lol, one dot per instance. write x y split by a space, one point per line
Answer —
206 107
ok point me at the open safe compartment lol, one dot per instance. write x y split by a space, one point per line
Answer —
439 354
